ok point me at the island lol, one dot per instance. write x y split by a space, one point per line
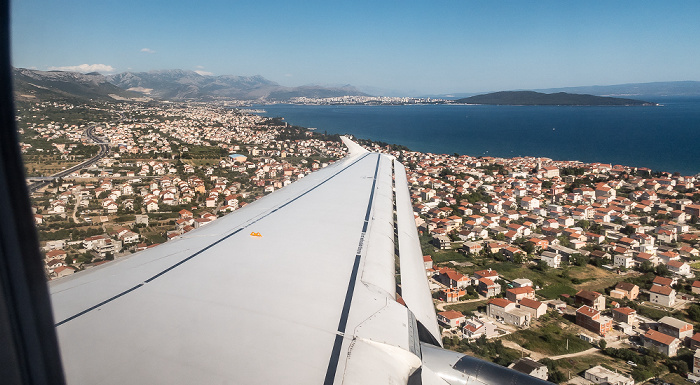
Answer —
532 98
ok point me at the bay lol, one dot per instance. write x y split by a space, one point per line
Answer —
662 138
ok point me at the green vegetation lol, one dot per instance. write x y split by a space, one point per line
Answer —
556 290
468 308
493 351
551 339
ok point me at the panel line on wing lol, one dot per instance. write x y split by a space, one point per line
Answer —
170 268
98 305
342 324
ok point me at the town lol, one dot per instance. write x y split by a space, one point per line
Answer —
572 272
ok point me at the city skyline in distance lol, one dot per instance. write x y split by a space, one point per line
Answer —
389 48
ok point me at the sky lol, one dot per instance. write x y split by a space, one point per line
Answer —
384 47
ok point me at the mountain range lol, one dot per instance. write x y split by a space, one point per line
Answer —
179 85
175 85
60 85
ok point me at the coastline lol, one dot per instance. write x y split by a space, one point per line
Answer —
567 133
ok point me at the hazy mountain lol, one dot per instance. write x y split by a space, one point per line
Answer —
679 88
182 85
58 85
682 88
531 98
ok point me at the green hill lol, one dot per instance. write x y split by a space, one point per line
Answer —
531 98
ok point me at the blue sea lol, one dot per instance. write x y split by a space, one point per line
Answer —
662 138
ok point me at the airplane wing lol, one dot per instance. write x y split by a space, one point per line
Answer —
298 287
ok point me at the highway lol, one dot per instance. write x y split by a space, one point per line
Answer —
104 150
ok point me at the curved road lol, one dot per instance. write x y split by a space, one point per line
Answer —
104 150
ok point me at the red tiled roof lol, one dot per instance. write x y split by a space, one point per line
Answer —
500 302
521 290
532 304
626 286
451 314
696 337
625 310
471 328
55 253
589 295
676 264
665 290
486 273
659 337
587 311
663 281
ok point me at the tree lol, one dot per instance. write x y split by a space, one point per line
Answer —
529 247
542 266
518 258
694 312
578 259
662 270
603 344
646 267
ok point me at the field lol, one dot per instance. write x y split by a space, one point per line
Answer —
466 308
552 338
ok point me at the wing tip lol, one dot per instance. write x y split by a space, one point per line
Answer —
353 148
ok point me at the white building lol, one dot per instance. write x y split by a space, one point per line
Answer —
601 375
552 260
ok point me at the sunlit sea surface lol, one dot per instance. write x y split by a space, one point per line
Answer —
663 138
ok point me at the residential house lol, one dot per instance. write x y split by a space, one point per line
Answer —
427 262
451 295
521 282
592 299
489 273
591 319
56 254
62 271
662 295
442 241
675 328
663 281
552 260
678 267
451 278
695 341
474 328
506 311
530 367
451 318
488 288
517 293
696 287
601 375
534 307
661 342
625 315
625 290
624 261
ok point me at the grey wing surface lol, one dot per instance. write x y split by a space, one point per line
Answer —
298 287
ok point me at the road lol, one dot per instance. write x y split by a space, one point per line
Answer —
537 356
104 151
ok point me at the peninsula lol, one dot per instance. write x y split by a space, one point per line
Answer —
531 98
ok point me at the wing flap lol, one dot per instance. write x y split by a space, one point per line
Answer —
414 282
